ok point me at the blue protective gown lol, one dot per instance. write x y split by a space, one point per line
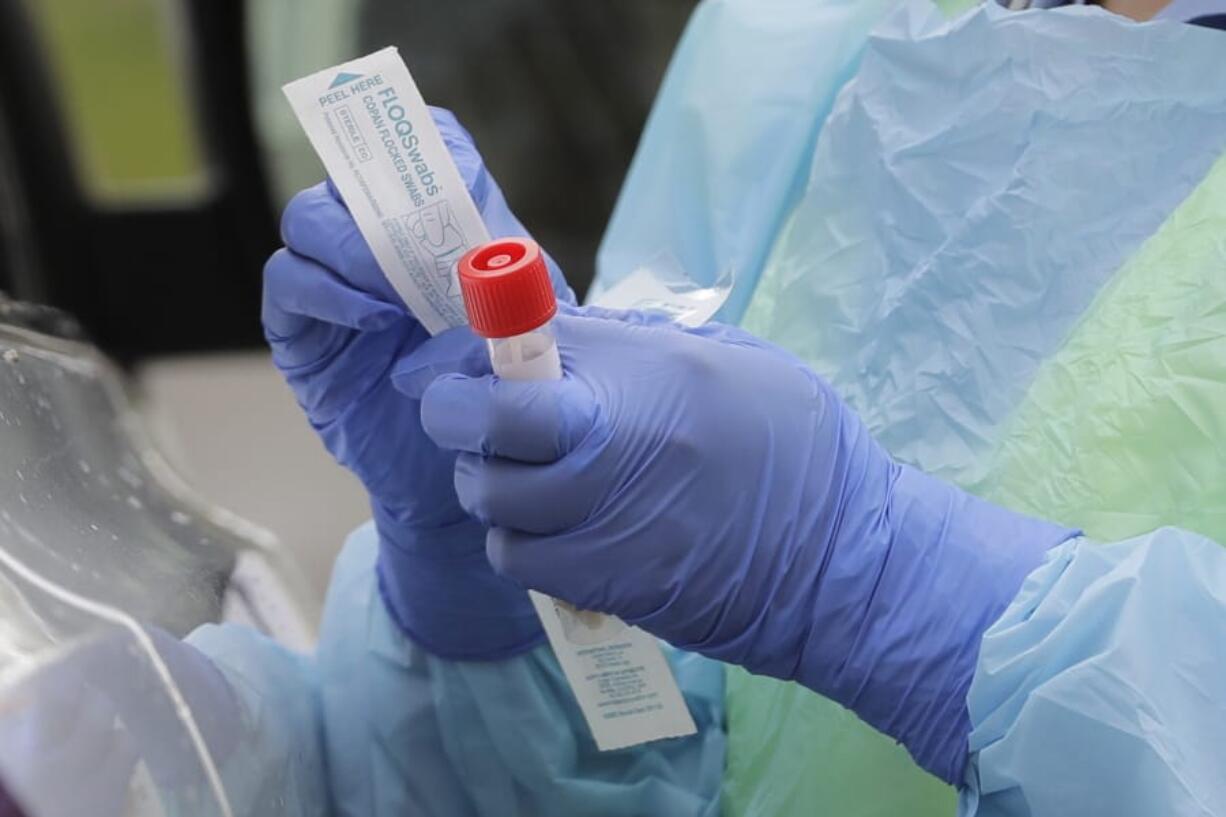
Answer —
389 729
1072 693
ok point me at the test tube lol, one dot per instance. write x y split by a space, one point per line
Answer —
510 302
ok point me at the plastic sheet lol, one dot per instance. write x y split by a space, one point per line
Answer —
105 557
101 716
663 285
78 504
86 501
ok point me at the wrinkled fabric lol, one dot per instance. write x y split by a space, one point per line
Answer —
1124 428
722 158
1103 689
974 191
404 732
1111 657
963 213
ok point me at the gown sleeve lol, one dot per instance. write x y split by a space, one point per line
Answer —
1102 689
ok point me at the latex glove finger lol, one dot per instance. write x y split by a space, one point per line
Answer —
467 158
486 194
309 316
550 563
537 499
316 224
537 421
517 554
454 351
298 290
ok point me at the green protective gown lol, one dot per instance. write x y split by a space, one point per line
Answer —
1120 433
1113 420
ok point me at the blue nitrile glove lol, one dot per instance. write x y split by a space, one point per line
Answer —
336 327
710 488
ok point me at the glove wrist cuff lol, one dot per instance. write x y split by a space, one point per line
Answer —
948 566
439 588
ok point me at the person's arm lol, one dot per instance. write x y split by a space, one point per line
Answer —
1100 690
710 488
713 490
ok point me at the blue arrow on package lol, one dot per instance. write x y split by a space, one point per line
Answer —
344 79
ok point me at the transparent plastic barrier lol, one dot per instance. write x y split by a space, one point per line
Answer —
99 715
106 560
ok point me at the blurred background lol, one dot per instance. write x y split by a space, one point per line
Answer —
146 151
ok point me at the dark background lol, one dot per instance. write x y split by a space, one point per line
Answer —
134 187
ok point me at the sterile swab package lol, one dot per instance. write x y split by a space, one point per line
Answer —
374 133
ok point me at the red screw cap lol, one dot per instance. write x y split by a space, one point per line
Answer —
506 288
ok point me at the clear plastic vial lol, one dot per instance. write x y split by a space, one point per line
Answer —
530 356
510 302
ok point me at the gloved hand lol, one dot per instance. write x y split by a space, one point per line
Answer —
336 327
711 489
